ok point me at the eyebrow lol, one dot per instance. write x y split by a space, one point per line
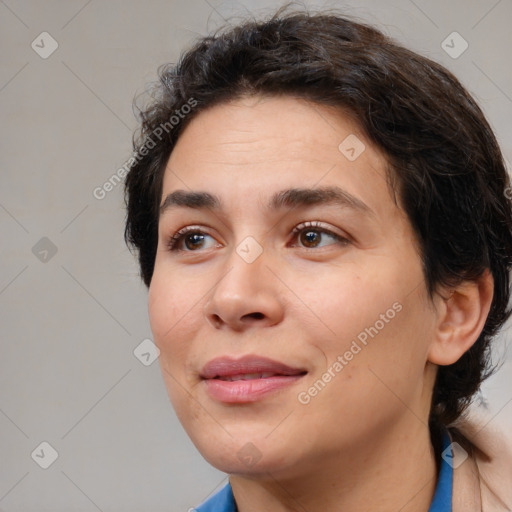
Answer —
291 198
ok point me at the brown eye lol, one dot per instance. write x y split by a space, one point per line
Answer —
311 236
189 240
193 241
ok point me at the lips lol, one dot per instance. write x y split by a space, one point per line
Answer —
248 379
248 376
247 368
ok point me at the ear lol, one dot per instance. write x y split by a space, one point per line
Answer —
462 312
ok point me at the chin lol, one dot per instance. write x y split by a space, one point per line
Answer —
241 455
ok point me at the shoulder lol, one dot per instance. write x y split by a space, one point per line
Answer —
482 477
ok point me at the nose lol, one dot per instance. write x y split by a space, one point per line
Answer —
247 295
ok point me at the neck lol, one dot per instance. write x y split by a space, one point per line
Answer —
395 471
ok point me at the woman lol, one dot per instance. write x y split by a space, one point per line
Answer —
322 220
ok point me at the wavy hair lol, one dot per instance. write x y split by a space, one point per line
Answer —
444 161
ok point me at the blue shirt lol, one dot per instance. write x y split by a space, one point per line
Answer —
224 501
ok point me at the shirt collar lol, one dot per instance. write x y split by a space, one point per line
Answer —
222 501
442 501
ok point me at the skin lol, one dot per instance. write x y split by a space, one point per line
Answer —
362 443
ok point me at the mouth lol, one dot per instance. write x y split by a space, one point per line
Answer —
247 379
249 376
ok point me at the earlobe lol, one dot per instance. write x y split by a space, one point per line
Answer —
462 313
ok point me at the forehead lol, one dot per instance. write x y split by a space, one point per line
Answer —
255 146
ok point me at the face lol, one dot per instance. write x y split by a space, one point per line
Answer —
297 253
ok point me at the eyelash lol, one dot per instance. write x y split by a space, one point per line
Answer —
175 239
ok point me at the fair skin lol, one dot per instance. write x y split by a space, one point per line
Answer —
362 442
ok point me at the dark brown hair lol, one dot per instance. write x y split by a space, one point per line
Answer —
444 160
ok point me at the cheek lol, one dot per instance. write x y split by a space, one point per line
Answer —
346 301
373 312
172 311
173 320
378 362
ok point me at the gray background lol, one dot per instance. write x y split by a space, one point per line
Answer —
70 321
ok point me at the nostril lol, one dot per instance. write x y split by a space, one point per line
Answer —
216 320
257 316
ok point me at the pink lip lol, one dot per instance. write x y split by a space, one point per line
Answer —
240 391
